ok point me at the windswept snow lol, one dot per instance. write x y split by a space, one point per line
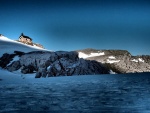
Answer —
134 60
15 77
88 94
9 46
111 57
138 60
141 60
83 55
5 38
112 61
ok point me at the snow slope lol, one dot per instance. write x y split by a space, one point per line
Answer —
9 46
87 94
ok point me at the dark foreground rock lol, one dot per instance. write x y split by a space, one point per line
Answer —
14 66
5 59
60 64
48 64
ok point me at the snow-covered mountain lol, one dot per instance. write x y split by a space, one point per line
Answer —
120 61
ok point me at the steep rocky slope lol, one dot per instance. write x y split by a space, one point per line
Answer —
120 61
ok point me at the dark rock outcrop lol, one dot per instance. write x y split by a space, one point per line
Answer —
60 63
27 69
5 59
14 66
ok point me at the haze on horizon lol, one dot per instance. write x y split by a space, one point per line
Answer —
79 24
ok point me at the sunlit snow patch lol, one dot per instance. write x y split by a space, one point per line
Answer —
141 60
112 61
134 60
5 38
83 55
138 60
111 57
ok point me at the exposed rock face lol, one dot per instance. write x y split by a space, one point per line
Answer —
60 64
82 62
27 69
79 67
120 61
5 59
14 66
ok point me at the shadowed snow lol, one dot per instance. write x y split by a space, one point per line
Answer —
88 94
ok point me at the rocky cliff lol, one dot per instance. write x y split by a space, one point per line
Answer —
119 61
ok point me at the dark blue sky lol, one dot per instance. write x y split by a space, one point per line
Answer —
79 24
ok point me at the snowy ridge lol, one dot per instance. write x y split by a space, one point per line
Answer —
5 38
83 55
9 46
